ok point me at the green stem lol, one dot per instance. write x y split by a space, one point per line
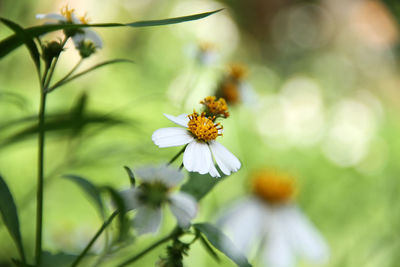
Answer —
61 82
174 234
176 156
39 195
95 237
45 81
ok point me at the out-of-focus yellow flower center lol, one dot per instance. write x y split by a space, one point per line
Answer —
203 128
67 13
216 107
84 19
206 47
237 71
274 188
230 92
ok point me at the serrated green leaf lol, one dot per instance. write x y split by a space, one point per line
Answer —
198 185
12 42
21 35
124 222
9 214
91 191
221 242
60 83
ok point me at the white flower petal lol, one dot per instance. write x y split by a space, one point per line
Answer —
226 161
244 223
75 19
163 173
130 197
213 171
197 157
77 39
172 136
181 120
278 251
305 238
94 37
184 207
169 176
54 16
147 220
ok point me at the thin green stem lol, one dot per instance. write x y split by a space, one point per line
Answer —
176 156
62 80
174 234
45 80
95 237
39 195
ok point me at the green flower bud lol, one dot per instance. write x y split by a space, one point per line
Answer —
86 48
51 50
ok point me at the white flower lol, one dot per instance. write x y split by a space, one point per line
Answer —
275 226
68 16
199 134
155 190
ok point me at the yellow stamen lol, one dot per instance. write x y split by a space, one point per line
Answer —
67 13
84 19
272 187
203 128
216 107
237 71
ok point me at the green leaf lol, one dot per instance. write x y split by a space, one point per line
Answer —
62 82
208 248
91 191
60 259
9 213
221 242
198 185
131 176
124 222
12 42
70 122
24 38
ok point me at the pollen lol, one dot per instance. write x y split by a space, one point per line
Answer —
237 71
272 187
203 128
66 12
215 107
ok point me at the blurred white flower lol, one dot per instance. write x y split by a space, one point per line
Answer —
205 53
80 36
154 191
271 223
199 134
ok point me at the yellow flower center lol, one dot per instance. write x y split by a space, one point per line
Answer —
203 128
216 107
84 19
67 13
274 188
237 71
206 47
230 92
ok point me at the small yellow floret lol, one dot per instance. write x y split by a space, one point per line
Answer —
203 128
274 188
67 13
216 107
237 71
